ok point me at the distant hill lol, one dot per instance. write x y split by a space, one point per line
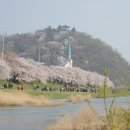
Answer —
88 53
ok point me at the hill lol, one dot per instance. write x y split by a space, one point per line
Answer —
88 53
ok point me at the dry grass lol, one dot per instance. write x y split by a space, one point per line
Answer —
85 119
79 98
22 98
118 119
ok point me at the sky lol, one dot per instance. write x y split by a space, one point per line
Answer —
108 20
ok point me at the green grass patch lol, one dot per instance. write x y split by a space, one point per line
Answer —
116 92
53 94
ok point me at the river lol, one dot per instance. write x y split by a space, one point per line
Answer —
37 118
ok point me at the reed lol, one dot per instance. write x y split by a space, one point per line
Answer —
85 119
79 98
23 99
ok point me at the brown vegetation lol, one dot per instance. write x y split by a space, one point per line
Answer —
79 98
118 119
85 119
22 98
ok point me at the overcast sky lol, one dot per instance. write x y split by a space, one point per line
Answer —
108 20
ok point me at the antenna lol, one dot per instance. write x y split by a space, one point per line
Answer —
70 60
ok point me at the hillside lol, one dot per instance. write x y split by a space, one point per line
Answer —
88 53
30 70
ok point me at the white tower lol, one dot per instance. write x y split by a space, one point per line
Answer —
69 61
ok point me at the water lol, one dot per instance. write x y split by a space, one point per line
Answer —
37 118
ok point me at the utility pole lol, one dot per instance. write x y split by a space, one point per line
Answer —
39 55
3 47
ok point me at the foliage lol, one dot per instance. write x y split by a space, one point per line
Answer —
87 52
115 118
14 77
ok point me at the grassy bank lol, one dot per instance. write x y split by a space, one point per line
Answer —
50 94
16 98
57 94
65 95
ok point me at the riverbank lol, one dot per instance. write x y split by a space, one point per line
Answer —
28 97
84 119
25 99
32 98
38 118
87 119
36 97
112 115
55 93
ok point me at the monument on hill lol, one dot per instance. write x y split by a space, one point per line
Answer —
69 60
